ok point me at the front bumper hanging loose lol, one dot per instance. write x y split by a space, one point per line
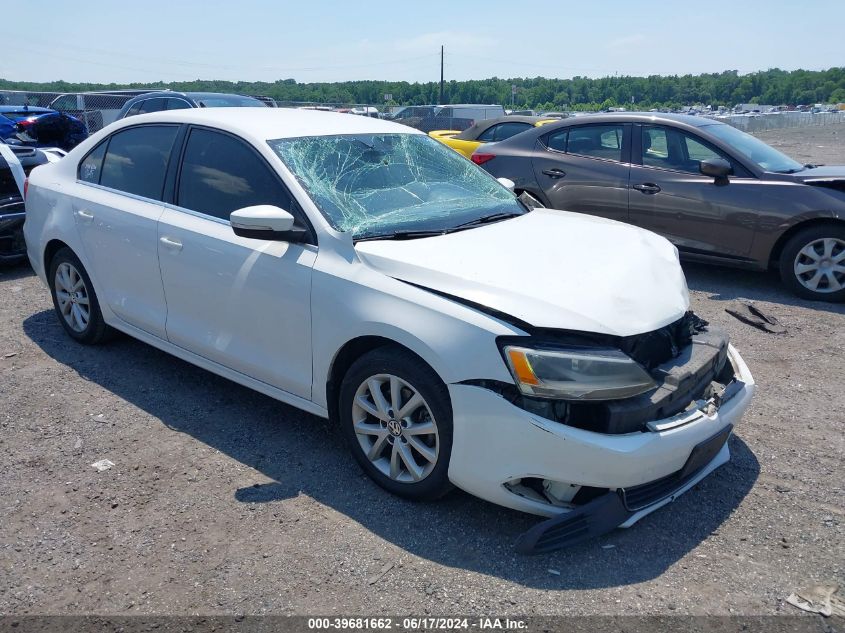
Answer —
615 508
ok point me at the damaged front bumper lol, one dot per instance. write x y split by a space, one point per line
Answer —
497 445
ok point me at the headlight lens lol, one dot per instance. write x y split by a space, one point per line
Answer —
573 374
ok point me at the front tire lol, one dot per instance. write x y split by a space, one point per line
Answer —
74 299
812 263
396 417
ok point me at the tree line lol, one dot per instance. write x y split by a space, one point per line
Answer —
727 88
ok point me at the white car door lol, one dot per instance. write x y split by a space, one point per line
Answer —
116 206
241 302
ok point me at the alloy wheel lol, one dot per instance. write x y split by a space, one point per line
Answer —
72 297
820 265
395 428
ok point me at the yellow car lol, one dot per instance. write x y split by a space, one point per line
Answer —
487 131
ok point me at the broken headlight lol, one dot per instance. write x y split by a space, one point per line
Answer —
576 374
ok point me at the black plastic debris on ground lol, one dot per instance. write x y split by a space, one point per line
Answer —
748 313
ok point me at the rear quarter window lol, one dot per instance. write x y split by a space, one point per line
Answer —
91 166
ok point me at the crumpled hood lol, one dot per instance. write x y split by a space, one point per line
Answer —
549 268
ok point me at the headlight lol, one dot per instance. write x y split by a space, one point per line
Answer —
573 374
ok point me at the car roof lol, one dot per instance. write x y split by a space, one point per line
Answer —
265 123
190 95
639 117
24 108
206 95
470 105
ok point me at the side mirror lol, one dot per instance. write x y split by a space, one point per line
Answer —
266 222
507 183
717 168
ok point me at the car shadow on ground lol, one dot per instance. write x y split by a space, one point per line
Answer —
12 272
721 283
303 454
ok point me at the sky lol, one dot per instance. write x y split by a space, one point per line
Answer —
258 40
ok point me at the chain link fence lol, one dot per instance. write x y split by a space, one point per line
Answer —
95 110
781 120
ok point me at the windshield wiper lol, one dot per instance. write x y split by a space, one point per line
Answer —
400 235
487 219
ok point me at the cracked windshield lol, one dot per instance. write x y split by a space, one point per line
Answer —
389 185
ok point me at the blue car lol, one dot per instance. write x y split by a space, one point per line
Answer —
40 127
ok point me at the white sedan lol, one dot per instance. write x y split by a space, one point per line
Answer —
361 271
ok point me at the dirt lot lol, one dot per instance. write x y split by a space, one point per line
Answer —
224 501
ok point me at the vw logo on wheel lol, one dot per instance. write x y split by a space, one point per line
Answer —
395 428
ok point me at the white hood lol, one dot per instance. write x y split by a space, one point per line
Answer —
549 268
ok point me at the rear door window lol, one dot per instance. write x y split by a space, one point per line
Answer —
177 104
503 131
597 141
136 160
135 109
154 105
557 140
221 174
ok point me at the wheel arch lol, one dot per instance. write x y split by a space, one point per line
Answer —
351 351
50 250
777 249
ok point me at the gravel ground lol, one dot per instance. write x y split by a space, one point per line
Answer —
223 501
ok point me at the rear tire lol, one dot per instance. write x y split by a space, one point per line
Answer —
812 263
74 299
396 417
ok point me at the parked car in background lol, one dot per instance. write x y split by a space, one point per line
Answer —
459 116
16 163
555 115
94 109
486 131
411 116
370 111
456 337
11 114
268 101
40 127
159 101
719 194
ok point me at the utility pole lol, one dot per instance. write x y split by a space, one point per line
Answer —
441 76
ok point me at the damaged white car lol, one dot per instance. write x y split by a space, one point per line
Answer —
359 270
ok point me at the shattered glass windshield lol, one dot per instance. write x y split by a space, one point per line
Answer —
374 185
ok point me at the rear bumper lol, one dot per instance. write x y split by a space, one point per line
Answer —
495 443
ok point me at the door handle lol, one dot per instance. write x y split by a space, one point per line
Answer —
647 187
172 244
554 173
84 215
